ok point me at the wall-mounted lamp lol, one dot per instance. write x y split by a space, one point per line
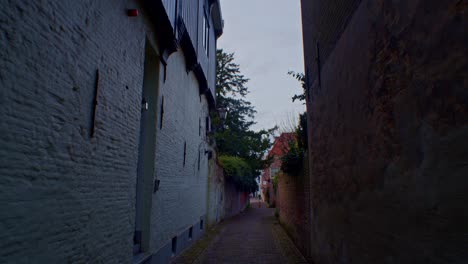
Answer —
144 105
223 113
210 153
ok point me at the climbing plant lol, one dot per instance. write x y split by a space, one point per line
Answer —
301 78
239 172
293 160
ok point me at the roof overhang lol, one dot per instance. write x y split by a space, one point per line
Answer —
217 16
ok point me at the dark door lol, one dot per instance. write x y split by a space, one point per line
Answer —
146 150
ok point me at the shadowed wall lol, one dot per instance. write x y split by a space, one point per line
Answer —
388 132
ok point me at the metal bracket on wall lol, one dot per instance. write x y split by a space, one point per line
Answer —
95 103
318 67
185 152
161 113
156 185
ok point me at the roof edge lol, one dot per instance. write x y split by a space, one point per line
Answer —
217 16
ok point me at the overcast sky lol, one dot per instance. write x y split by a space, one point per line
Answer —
266 37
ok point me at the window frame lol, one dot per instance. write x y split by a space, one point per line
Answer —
206 32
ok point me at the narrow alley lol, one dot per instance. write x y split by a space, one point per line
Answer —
253 236
246 131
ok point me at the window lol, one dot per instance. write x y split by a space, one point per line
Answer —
207 125
199 157
201 224
190 232
161 113
174 245
185 151
206 33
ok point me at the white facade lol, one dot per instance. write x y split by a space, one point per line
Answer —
77 182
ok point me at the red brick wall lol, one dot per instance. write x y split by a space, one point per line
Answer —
293 204
272 193
280 147
388 137
234 200
267 188
244 199
324 22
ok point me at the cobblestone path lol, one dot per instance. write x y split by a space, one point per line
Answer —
251 237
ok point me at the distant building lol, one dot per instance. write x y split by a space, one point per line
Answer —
104 134
280 147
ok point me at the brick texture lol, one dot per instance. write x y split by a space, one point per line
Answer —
293 204
251 237
216 195
181 199
66 197
279 149
224 199
234 201
246 238
325 21
388 137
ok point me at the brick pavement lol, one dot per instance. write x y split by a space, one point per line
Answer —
254 236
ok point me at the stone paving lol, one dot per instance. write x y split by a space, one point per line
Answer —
254 236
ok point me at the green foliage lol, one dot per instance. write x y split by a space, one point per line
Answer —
239 172
234 137
293 160
231 90
228 76
301 132
234 166
248 144
301 78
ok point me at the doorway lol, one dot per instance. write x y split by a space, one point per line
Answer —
146 150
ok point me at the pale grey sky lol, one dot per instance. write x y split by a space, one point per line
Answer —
266 37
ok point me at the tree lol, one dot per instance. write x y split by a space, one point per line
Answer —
236 139
228 76
239 172
301 78
301 132
292 161
231 91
